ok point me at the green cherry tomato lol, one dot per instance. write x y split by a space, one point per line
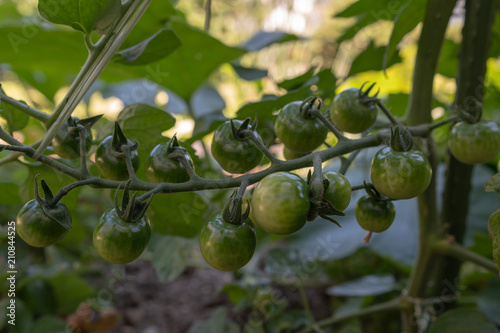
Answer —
280 203
109 164
67 145
119 241
291 155
37 229
400 175
374 215
339 191
233 155
160 168
475 143
297 133
226 246
348 114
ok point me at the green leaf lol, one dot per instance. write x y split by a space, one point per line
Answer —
16 119
493 184
49 324
369 285
235 293
372 58
289 263
144 123
297 82
70 291
80 14
249 74
217 323
378 10
289 321
270 103
448 58
263 39
462 320
156 47
207 105
488 300
405 21
170 255
180 214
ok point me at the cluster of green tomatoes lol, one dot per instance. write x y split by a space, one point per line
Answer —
281 203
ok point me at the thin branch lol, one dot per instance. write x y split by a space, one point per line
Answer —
208 14
328 124
95 64
387 113
32 112
252 136
458 251
8 138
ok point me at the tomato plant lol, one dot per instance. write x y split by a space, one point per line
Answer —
374 215
299 133
280 203
227 246
475 143
234 151
349 114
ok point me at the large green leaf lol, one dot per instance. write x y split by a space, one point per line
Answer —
263 39
462 320
49 324
185 69
378 10
70 291
39 56
81 14
180 214
406 20
217 323
264 109
156 47
372 58
144 123
170 255
448 59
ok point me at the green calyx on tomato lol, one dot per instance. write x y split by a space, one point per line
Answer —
227 240
42 222
232 147
280 203
297 131
165 163
110 158
374 215
122 234
353 111
475 143
66 143
399 172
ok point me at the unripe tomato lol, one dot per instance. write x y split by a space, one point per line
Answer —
299 134
280 203
348 114
37 229
226 246
109 164
400 175
234 155
119 241
374 215
475 143
160 168
339 191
